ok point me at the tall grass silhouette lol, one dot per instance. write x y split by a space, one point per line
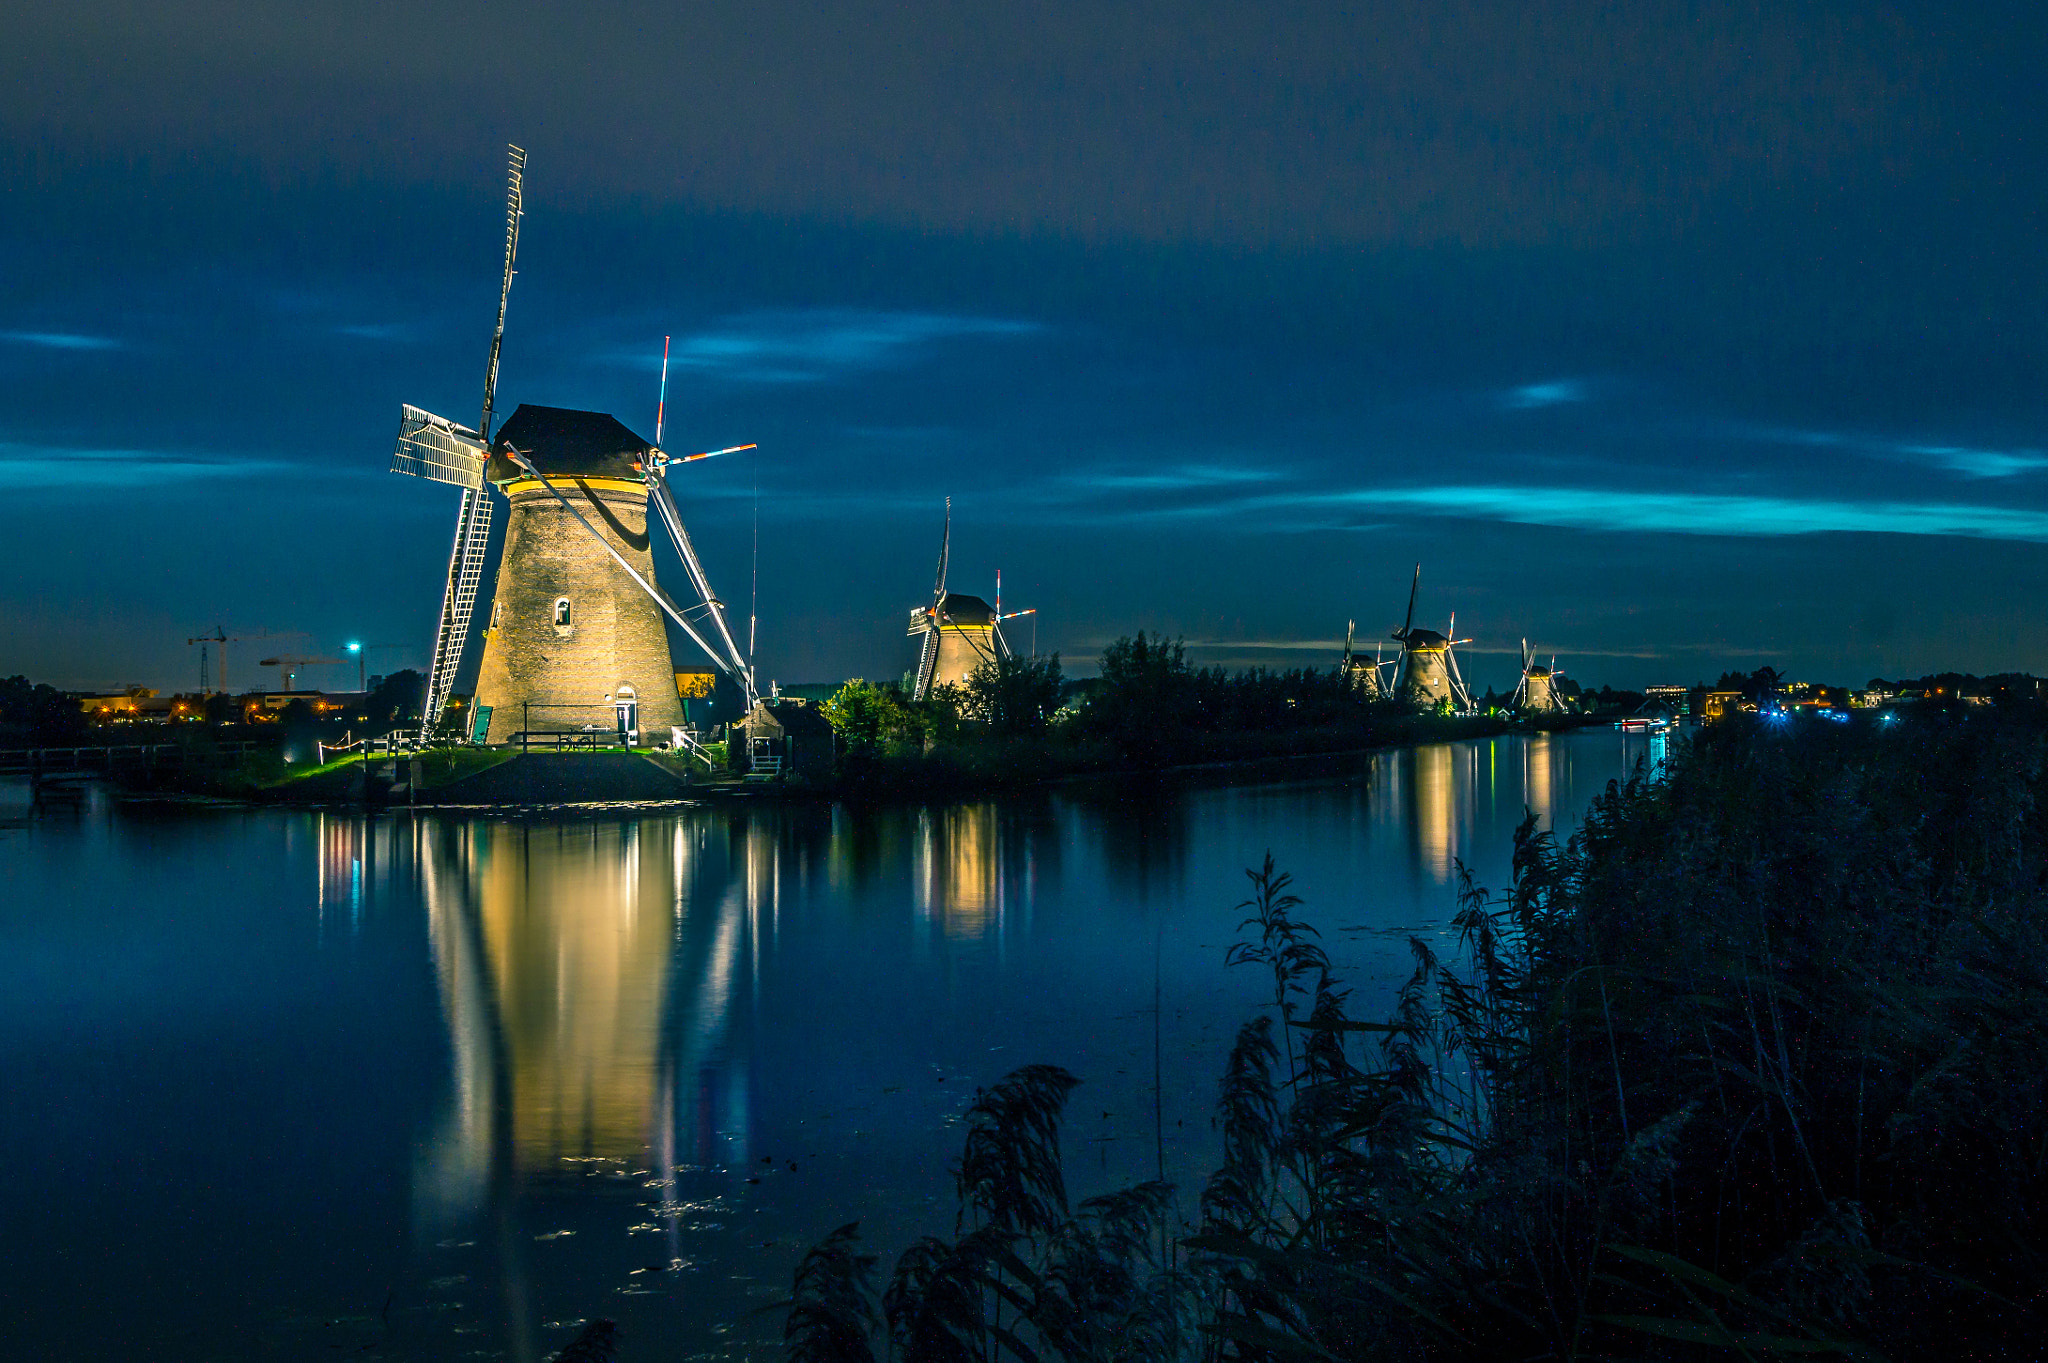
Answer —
1754 1066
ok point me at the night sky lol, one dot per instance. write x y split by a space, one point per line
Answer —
1674 338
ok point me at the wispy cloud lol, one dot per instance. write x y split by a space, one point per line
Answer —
60 340
1179 478
374 331
1687 513
816 345
1550 394
1976 463
1970 461
46 467
1679 513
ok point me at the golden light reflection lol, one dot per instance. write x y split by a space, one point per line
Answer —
1436 823
957 883
555 947
1538 758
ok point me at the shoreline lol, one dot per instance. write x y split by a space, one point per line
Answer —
632 780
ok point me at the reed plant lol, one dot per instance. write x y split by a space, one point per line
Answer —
1754 1065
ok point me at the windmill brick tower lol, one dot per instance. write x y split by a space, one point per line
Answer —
571 640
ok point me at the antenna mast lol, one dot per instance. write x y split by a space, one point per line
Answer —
513 210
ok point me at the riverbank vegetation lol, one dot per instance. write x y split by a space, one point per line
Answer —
1755 1065
1019 721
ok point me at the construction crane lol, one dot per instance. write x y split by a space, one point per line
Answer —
292 662
223 639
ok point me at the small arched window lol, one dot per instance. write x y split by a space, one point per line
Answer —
562 611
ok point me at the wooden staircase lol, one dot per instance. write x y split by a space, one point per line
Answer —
765 769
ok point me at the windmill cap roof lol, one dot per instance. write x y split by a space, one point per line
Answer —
565 441
1425 638
962 609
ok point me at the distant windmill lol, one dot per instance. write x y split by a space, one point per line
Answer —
568 635
956 632
1537 692
1362 676
1427 673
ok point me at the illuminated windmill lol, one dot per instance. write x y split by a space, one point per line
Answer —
575 639
1537 692
1427 673
1362 676
956 632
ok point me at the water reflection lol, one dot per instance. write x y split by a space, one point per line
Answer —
648 1005
555 948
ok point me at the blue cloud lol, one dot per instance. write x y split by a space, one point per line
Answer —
1688 513
1975 463
1968 460
43 467
815 345
60 340
1545 394
1176 479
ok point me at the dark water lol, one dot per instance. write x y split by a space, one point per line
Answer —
296 1085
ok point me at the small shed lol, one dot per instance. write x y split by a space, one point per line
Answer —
780 736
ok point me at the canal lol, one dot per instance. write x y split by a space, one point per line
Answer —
299 1084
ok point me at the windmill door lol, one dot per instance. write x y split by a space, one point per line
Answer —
627 708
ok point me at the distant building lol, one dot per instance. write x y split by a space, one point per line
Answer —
1674 700
1717 705
141 705
782 736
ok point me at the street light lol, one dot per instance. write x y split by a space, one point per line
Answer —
361 685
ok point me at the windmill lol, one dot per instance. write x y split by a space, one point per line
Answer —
1536 694
1362 676
956 632
1427 673
576 615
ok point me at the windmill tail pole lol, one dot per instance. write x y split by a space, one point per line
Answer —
742 667
661 402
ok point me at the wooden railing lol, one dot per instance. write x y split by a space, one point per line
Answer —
94 757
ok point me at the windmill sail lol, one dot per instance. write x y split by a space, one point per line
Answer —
935 617
435 448
458 604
